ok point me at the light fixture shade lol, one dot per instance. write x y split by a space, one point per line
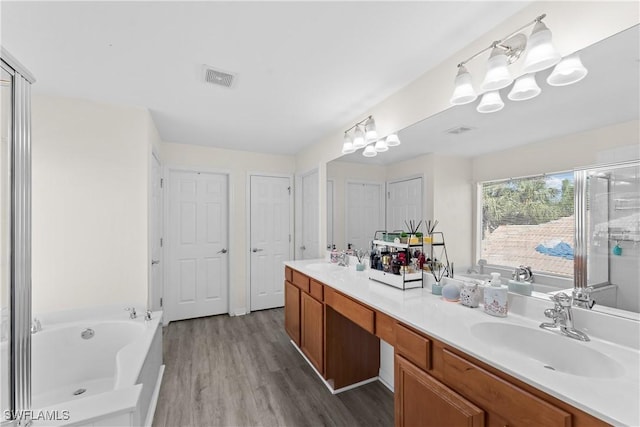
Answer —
525 88
498 75
381 146
358 138
347 145
369 151
568 71
541 54
490 103
393 140
370 130
463 93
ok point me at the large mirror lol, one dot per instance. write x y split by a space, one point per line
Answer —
446 162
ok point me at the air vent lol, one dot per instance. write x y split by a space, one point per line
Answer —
218 77
459 129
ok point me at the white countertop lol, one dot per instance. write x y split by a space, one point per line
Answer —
613 400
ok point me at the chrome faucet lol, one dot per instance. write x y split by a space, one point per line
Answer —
582 297
563 317
132 312
522 274
36 326
147 315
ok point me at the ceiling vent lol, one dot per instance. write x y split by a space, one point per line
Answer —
218 77
459 129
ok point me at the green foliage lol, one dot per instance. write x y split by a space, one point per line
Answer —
526 201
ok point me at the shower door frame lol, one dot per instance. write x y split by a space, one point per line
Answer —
20 228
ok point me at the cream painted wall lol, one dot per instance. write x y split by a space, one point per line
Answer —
238 164
575 25
89 204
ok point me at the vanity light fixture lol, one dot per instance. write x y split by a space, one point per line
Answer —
540 54
364 135
392 140
358 137
381 146
347 145
370 151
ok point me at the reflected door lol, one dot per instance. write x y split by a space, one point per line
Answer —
404 203
310 221
270 239
198 237
364 206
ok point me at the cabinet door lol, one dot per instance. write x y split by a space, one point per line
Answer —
421 400
313 331
292 311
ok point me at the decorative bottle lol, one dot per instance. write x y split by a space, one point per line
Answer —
496 301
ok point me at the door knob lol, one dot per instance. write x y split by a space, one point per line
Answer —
256 250
155 261
222 251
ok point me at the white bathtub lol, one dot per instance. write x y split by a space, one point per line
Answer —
108 379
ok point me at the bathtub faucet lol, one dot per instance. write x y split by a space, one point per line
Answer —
36 326
132 312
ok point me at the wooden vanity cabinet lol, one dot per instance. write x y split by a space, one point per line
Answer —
421 400
312 330
292 311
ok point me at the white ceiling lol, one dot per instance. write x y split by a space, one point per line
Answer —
609 94
304 69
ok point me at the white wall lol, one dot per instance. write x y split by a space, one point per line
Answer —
237 164
89 204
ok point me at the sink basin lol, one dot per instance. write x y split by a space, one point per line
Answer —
551 350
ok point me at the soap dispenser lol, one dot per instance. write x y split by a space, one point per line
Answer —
496 297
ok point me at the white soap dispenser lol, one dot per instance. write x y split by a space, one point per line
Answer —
496 297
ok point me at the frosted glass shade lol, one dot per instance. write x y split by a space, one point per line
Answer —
463 93
348 148
370 151
370 130
358 138
498 75
490 103
541 54
525 88
568 71
393 140
381 146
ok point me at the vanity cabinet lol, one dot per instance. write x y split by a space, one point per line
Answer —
312 330
421 400
292 311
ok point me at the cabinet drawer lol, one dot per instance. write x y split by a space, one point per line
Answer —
511 403
413 346
288 274
357 313
301 281
386 328
316 289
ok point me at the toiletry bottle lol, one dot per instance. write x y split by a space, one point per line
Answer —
334 255
496 297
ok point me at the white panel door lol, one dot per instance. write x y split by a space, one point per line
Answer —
404 203
330 214
270 239
198 225
155 235
364 205
310 221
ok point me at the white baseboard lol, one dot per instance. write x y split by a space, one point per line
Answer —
154 399
238 312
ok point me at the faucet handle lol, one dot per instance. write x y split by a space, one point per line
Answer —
561 299
582 297
132 312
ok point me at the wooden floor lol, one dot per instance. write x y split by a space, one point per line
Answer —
243 371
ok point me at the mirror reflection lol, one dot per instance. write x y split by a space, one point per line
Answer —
535 144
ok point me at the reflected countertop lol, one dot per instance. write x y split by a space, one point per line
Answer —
614 400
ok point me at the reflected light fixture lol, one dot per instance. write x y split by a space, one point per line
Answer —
540 54
525 88
393 140
568 71
369 151
363 134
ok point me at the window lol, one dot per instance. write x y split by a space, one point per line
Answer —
529 221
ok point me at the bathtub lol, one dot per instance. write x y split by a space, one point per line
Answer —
101 371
